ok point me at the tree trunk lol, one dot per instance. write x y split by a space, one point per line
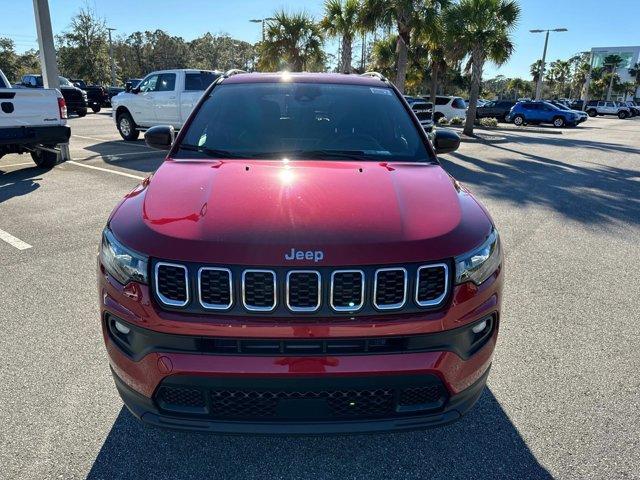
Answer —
435 66
345 54
401 50
477 62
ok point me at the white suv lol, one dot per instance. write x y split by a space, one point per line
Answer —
449 107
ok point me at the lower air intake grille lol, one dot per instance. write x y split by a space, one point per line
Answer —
180 397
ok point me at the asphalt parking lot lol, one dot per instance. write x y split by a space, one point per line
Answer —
564 392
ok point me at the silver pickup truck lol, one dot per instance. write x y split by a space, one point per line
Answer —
33 121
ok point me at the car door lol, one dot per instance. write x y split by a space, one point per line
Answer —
143 102
610 108
166 100
486 110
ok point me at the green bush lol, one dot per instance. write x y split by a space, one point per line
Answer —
489 122
443 121
456 121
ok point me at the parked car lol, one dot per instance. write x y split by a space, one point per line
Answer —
97 96
423 110
131 83
75 98
112 92
634 108
449 107
32 121
164 97
495 109
577 105
537 112
602 107
300 263
582 116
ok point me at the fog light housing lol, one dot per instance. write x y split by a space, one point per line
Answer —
479 327
123 329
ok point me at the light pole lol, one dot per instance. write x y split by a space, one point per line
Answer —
261 20
544 56
113 65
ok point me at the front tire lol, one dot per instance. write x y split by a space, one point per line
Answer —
44 158
558 122
622 115
592 113
82 112
127 127
95 108
518 120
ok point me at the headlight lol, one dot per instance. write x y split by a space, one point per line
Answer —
123 264
479 264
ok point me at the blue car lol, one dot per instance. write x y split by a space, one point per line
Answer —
541 112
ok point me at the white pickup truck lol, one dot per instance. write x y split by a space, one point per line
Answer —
165 97
34 121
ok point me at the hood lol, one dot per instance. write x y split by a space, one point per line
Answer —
255 212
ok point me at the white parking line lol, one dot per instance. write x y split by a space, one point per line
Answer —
105 170
13 241
16 164
116 142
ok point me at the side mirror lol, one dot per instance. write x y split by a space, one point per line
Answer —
160 137
127 87
446 141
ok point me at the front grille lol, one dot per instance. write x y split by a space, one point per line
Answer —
259 290
298 404
390 288
284 292
303 290
172 284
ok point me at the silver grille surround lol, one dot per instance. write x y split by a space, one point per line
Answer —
438 300
391 306
214 306
163 299
304 309
355 308
254 308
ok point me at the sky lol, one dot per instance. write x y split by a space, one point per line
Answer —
590 23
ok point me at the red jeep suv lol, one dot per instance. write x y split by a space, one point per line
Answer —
300 263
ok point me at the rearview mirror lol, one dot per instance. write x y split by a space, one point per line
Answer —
160 137
446 141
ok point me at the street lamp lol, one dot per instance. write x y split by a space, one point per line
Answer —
544 56
261 20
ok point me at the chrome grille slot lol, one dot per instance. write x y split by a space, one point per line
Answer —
259 290
390 288
215 288
431 284
304 288
347 290
172 284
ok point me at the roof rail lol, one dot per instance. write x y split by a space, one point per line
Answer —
233 71
377 75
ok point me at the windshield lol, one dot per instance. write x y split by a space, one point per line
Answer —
304 120
65 82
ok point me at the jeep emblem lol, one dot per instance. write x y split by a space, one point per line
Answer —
315 255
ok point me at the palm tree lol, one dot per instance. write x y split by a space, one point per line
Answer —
383 55
481 29
341 19
517 85
560 72
431 35
534 69
292 41
611 63
406 15
634 71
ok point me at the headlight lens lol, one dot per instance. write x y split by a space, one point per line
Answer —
479 264
123 264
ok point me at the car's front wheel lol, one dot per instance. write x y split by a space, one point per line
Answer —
518 120
127 127
622 115
558 122
82 112
95 108
592 113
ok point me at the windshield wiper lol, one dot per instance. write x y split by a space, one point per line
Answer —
212 152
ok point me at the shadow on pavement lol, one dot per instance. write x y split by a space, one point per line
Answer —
128 155
597 194
19 182
484 444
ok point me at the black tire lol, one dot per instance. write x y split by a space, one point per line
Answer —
592 113
437 116
127 127
559 122
45 159
95 108
518 120
82 112
622 115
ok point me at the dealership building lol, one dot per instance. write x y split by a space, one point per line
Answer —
629 55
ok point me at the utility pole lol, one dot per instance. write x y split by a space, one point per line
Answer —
544 57
113 65
261 20
47 49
